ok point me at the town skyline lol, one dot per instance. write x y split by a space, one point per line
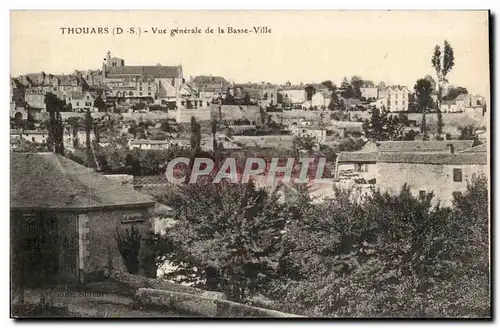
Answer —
306 52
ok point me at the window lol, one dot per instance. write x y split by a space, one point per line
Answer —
140 93
149 93
421 194
457 175
33 139
78 103
149 88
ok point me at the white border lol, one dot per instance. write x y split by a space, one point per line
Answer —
191 5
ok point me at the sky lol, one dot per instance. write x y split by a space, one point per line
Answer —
303 46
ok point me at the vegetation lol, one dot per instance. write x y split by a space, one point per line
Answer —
383 126
341 258
129 244
443 64
423 92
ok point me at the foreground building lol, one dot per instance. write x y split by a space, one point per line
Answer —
74 213
443 174
441 167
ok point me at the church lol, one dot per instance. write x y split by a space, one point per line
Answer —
156 84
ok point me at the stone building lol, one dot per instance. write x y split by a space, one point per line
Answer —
77 220
441 173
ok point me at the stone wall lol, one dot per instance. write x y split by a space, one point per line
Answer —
101 244
427 177
204 306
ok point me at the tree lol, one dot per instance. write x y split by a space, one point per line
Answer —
443 64
356 84
305 142
55 139
328 84
383 126
229 100
310 91
195 135
346 90
246 99
423 92
100 104
452 93
226 235
469 133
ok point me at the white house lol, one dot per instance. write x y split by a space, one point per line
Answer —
394 99
321 100
149 144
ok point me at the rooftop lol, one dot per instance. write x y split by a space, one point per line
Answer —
71 185
424 146
156 71
353 156
435 158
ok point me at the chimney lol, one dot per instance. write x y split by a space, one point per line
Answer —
452 149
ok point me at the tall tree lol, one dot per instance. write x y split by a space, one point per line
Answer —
346 90
195 135
54 106
356 84
443 63
423 92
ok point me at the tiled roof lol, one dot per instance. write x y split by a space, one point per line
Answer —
156 71
424 146
71 185
354 156
435 158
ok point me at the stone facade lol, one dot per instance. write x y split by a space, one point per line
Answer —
439 179
98 244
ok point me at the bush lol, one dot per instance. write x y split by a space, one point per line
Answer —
129 243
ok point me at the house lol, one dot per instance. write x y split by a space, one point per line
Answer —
35 136
81 101
444 174
357 166
149 144
346 128
394 99
72 213
321 99
369 90
314 130
294 96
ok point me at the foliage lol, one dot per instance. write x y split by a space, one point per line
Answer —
356 84
378 255
443 64
346 89
55 126
390 256
129 244
383 126
423 92
305 142
195 135
227 233
454 92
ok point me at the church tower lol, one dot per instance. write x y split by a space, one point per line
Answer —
106 62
